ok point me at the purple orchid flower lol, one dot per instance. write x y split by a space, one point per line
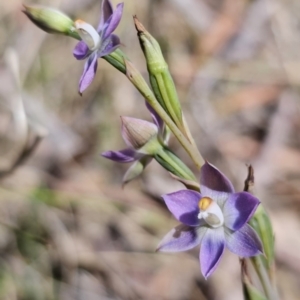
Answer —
215 218
97 43
142 139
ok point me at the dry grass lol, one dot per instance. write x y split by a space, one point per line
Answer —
67 229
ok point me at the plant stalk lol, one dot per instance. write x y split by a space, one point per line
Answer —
139 82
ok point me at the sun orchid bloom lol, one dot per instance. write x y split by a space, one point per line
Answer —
142 139
97 43
215 218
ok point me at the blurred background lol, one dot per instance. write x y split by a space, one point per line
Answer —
68 230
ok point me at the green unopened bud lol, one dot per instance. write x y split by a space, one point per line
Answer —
160 78
167 159
51 20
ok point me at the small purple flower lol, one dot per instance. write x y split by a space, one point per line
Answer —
97 43
142 139
215 218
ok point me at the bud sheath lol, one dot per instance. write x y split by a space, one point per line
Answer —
160 78
51 20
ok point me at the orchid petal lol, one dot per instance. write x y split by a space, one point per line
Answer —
81 50
211 251
88 74
106 12
137 168
109 45
214 184
244 242
181 238
184 206
122 156
113 21
238 209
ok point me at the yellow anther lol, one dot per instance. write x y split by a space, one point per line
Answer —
78 22
204 203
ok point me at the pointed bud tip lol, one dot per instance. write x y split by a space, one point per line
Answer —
138 25
126 120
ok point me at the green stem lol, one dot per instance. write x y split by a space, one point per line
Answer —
139 82
188 132
119 61
264 278
192 151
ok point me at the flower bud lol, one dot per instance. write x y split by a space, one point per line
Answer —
138 133
160 78
51 20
